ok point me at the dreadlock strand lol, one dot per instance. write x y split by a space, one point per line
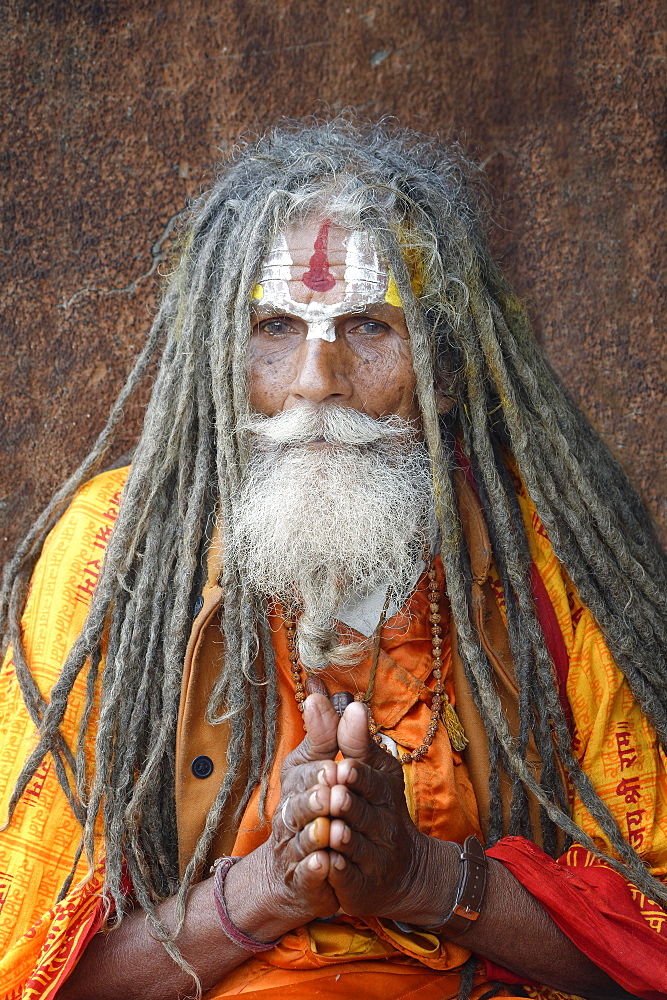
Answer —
271 701
616 500
625 648
549 400
81 766
516 586
138 809
530 703
584 787
564 489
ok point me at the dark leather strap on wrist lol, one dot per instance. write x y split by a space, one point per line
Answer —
470 890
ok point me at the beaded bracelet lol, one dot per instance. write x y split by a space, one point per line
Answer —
221 868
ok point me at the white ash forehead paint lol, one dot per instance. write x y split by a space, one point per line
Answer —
363 270
276 272
367 281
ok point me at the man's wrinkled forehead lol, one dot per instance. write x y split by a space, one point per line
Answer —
319 262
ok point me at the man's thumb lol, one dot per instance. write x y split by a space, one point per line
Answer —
355 743
321 721
353 737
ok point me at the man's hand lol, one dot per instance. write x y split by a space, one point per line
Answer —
293 866
370 857
281 885
381 865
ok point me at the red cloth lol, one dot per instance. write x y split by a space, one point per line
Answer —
605 916
553 638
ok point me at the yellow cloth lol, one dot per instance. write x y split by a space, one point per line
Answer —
613 741
40 938
38 848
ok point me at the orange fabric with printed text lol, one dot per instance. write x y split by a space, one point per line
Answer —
39 937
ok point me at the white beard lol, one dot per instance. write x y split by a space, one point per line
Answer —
313 525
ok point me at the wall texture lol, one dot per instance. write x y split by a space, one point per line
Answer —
115 112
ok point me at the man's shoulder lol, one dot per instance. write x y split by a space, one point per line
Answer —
103 489
75 545
98 500
66 574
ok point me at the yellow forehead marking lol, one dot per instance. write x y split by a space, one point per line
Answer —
391 295
258 292
413 257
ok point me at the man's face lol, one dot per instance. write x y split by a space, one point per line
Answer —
327 327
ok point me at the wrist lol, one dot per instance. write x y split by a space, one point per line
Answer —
431 887
252 902
257 903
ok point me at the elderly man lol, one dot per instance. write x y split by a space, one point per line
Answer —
342 516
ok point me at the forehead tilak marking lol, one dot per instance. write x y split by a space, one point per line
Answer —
367 281
318 276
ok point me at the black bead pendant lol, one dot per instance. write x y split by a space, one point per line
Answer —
340 700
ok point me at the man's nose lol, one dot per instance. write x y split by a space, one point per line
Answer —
322 372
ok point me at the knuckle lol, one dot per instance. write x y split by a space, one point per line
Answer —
293 759
372 783
297 777
300 810
350 881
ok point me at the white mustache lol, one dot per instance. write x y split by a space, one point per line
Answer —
335 424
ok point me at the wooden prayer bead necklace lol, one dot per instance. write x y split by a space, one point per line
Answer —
441 707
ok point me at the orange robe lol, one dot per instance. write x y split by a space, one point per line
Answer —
40 940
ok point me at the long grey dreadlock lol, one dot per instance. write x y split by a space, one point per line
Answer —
468 332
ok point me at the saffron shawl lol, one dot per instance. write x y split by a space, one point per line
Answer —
609 920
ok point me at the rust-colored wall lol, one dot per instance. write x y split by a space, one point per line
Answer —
115 112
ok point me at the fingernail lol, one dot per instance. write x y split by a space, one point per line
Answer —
346 835
321 776
314 862
347 802
339 861
315 801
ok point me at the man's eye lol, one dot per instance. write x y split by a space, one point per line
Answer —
276 327
370 327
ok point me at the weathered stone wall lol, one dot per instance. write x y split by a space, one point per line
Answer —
115 112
